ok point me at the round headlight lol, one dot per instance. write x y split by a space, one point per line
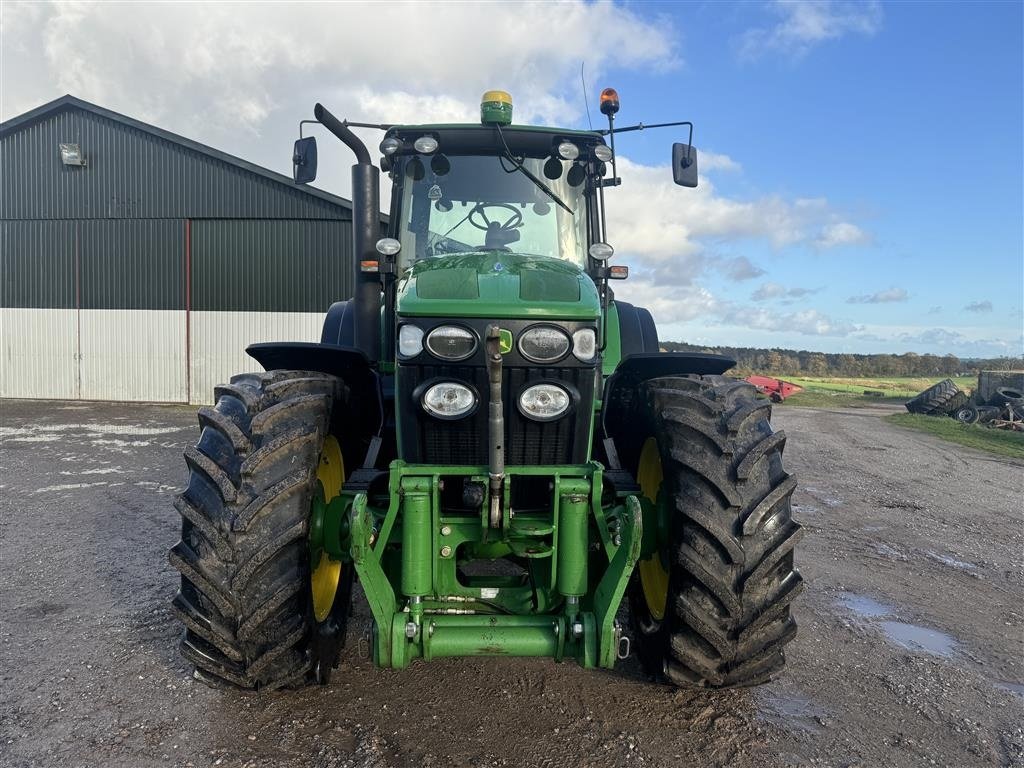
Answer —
425 145
390 145
451 342
449 400
568 151
601 251
388 246
544 344
584 344
410 341
544 402
603 153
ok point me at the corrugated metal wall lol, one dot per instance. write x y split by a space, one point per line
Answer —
144 275
131 173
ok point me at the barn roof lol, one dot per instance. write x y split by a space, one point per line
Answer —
69 102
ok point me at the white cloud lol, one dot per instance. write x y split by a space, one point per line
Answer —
712 161
979 306
669 229
880 297
802 25
174 63
737 268
772 290
807 322
841 233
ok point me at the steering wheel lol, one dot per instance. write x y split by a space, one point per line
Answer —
479 219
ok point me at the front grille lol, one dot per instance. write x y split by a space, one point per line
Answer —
464 441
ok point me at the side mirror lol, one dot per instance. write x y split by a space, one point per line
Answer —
684 164
304 160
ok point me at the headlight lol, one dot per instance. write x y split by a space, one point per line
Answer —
568 151
584 344
410 341
544 344
544 402
450 342
449 400
425 145
603 153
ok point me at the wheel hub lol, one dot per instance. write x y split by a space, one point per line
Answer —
653 570
325 571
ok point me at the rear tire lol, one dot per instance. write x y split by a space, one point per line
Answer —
933 399
729 540
956 402
1006 396
244 553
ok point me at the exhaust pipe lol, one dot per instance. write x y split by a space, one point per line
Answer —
365 233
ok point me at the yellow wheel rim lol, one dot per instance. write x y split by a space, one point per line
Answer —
653 576
326 576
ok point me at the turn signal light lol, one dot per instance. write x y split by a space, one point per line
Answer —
369 266
618 272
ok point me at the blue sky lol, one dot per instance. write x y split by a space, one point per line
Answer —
862 166
913 131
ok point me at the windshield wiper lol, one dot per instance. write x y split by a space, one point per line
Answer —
520 167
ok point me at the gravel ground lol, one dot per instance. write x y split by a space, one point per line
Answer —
910 650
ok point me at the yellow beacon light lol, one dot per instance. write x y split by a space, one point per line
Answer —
496 108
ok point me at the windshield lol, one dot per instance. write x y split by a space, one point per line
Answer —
483 202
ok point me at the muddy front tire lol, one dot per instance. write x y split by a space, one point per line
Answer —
244 557
711 608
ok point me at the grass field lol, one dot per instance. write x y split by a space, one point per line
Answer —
849 393
999 441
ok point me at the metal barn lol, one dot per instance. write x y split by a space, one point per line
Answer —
136 264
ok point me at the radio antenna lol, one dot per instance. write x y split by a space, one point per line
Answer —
586 102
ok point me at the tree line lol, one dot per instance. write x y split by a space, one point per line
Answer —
791 362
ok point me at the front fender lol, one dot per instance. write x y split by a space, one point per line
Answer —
620 407
348 364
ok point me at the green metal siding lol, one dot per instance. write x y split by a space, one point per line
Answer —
134 173
37 264
270 266
134 264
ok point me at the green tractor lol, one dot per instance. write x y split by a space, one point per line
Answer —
489 441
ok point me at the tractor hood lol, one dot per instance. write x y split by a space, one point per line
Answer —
498 284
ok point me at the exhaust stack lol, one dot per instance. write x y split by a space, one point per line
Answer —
366 231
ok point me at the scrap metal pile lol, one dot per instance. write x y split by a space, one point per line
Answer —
998 400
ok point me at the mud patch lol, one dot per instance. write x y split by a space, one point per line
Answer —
791 711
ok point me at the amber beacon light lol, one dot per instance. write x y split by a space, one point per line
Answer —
609 101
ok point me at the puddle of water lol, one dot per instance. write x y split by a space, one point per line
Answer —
952 562
886 551
909 636
864 606
915 638
823 496
1017 688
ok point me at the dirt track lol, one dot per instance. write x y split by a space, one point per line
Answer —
910 650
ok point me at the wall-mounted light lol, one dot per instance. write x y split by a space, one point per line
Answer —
71 154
